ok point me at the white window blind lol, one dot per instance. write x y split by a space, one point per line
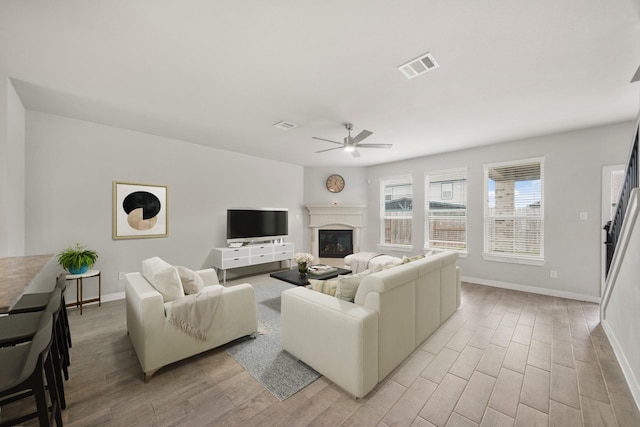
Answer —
446 210
397 210
514 209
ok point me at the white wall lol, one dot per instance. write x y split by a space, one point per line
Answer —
70 168
4 173
12 171
573 167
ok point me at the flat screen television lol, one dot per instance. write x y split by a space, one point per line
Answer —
260 224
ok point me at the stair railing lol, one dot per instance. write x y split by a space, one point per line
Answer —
614 226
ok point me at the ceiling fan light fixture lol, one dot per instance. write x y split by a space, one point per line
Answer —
351 144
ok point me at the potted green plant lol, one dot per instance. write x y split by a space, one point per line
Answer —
78 259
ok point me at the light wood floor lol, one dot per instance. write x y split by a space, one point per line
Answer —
505 358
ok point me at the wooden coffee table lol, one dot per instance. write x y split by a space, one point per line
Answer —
293 277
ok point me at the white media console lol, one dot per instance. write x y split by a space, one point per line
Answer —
226 258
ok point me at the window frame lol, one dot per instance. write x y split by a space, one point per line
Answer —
427 198
513 258
384 183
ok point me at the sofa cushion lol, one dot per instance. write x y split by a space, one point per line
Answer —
382 260
388 266
167 282
406 259
151 266
347 287
192 283
325 286
348 283
385 280
163 277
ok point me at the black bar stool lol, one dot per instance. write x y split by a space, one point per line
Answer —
20 328
38 301
21 376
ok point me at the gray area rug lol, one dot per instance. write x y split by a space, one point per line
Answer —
281 373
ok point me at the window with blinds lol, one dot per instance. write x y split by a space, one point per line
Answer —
397 210
514 210
446 210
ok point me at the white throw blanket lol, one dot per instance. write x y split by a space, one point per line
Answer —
193 314
360 261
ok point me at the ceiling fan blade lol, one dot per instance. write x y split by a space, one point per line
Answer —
329 149
327 140
375 145
355 153
362 135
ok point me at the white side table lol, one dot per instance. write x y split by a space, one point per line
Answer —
79 285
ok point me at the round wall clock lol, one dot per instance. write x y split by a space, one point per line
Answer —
335 183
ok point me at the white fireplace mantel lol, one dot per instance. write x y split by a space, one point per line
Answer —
345 217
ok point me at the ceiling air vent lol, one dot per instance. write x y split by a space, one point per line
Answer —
418 66
284 125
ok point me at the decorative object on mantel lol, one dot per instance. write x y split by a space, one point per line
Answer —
303 260
78 259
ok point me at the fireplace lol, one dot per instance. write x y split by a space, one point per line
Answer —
335 219
335 243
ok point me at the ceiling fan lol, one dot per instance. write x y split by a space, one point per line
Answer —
350 143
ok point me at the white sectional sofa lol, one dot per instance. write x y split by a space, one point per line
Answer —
158 343
356 345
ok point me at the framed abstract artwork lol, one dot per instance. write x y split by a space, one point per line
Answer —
139 211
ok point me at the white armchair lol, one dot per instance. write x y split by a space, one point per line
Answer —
158 343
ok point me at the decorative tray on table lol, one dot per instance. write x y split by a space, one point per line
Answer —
321 269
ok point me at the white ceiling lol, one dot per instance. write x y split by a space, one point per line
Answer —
221 73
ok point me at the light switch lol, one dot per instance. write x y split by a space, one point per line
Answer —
583 216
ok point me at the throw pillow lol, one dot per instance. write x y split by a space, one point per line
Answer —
167 282
325 286
347 287
348 284
151 266
192 283
406 259
393 264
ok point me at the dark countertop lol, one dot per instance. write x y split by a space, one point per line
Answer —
16 273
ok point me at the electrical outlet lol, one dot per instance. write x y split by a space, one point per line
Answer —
553 274
121 275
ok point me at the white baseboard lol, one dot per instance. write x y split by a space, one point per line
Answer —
532 289
106 298
627 371
113 297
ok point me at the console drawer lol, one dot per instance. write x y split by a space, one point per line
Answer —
282 255
232 253
235 262
260 259
261 250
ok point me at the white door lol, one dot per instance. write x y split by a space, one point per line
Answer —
612 180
